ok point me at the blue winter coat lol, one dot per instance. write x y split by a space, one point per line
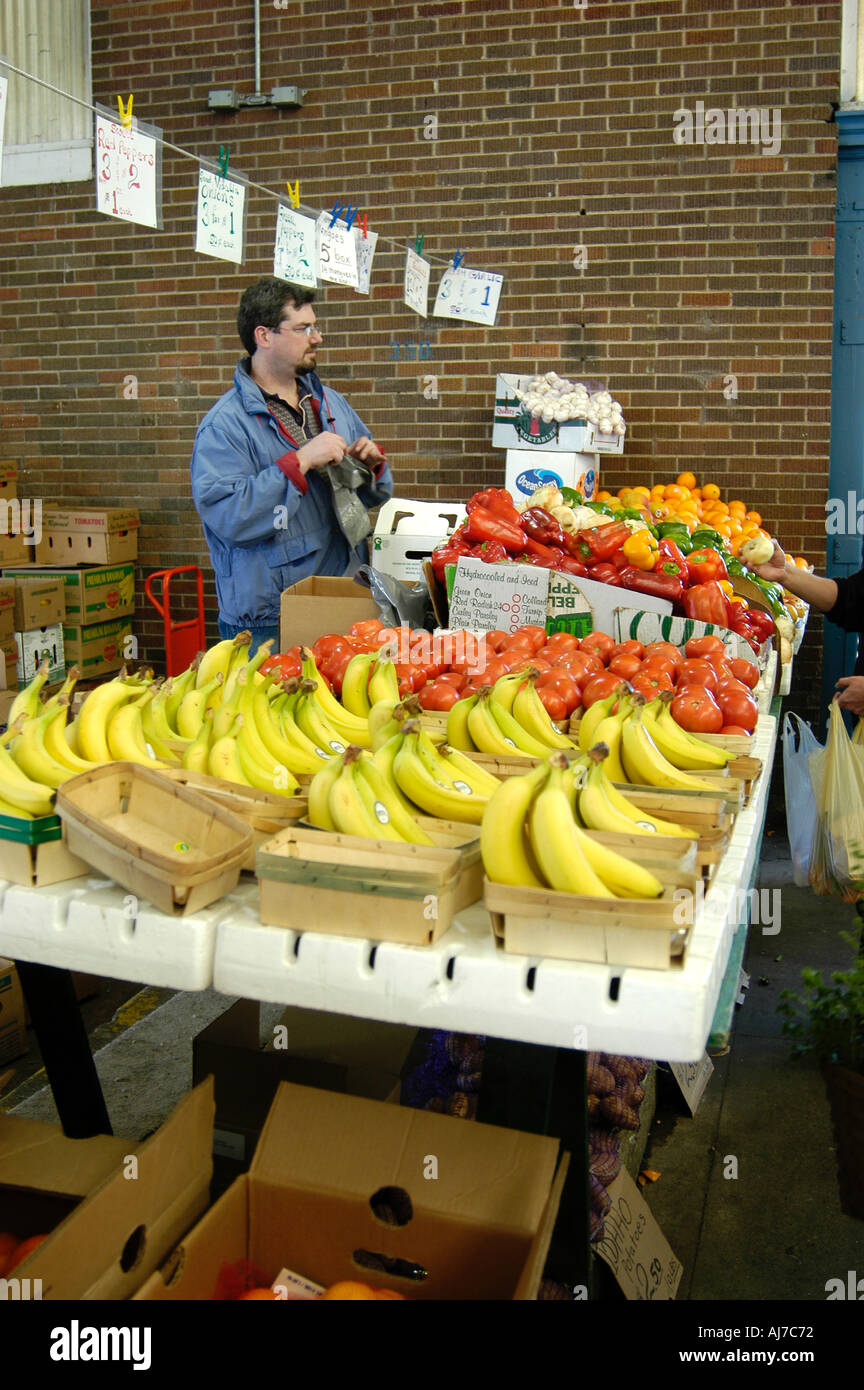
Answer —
263 532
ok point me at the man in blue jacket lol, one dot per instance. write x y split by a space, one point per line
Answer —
282 469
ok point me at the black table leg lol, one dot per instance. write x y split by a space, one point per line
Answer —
541 1090
69 1065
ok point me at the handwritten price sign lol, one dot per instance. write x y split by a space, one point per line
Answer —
471 295
127 172
221 217
295 256
416 292
337 252
634 1247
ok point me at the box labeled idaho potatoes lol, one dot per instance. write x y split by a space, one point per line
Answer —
340 1188
87 536
97 595
319 605
139 1199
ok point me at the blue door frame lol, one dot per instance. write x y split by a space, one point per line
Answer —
844 552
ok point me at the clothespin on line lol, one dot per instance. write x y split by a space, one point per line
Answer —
349 220
294 193
336 209
458 259
224 151
365 226
125 112
418 243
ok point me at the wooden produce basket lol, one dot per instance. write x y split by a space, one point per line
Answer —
32 852
709 815
380 890
162 841
702 855
265 813
609 931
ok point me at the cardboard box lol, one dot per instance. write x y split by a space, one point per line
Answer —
333 1174
38 603
13 1028
328 1051
106 1245
85 536
7 697
319 605
513 427
7 610
14 549
98 648
97 595
37 646
9 663
8 481
407 532
526 471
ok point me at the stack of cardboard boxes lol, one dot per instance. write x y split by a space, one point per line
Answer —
90 554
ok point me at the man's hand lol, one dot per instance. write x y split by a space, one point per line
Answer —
324 449
775 568
366 451
852 697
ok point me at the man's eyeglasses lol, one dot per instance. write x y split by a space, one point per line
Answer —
307 329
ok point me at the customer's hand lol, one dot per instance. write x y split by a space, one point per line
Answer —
366 451
852 696
324 449
774 569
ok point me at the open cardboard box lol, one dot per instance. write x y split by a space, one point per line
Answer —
326 1163
114 1208
308 1047
319 605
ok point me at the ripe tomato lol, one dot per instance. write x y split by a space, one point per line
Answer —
563 685
455 678
410 678
496 638
728 685
698 672
535 635
702 646
334 670
367 628
738 709
579 664
283 665
563 640
629 648
744 671
658 662
651 680
625 665
735 729
597 644
493 671
696 710
598 687
554 705
666 650
438 695
332 644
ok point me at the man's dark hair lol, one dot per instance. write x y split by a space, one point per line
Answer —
262 304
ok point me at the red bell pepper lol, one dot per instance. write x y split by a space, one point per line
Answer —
448 553
666 586
597 543
762 624
705 565
707 603
677 568
541 526
668 550
547 553
492 552
619 560
605 573
494 499
567 565
484 525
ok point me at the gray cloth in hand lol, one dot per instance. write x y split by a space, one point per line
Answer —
345 478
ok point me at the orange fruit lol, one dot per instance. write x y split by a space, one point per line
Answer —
737 506
253 1295
26 1248
696 493
8 1245
800 563
673 491
686 480
755 518
642 490
349 1289
604 496
711 490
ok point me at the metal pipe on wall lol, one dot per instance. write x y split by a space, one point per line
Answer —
258 47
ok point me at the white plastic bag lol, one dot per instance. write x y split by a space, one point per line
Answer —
799 792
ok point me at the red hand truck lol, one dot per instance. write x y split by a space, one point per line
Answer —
184 638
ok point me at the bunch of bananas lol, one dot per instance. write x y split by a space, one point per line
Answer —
404 776
506 718
531 837
646 746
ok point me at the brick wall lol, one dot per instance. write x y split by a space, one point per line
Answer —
555 128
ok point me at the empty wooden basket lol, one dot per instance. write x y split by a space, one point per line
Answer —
171 846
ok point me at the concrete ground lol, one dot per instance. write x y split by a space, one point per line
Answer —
774 1231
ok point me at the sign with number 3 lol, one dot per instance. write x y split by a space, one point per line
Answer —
128 171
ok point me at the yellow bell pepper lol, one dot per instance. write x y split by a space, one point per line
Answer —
726 587
640 550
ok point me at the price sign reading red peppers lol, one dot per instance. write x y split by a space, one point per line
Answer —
128 171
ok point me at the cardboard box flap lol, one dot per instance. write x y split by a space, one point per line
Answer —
36 1154
532 1274
493 1175
327 586
404 516
100 519
130 1223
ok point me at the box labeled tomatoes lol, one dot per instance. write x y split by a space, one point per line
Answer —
344 1188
